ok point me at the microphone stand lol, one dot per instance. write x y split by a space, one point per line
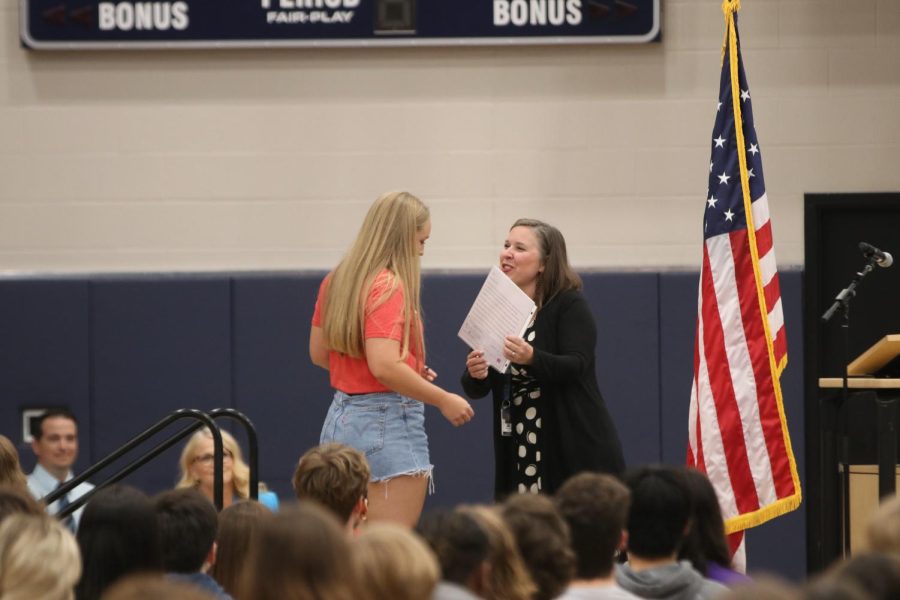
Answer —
842 303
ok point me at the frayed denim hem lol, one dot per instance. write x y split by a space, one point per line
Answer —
427 472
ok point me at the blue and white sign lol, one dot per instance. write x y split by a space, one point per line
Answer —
110 24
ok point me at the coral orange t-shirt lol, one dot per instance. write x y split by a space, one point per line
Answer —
352 375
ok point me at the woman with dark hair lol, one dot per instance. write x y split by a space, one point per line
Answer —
118 536
238 529
301 553
550 421
706 545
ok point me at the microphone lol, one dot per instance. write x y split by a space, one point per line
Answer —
884 259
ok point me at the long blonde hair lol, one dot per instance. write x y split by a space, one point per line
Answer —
386 241
240 472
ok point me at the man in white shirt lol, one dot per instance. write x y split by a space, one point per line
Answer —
55 444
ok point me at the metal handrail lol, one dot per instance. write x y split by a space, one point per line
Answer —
252 444
184 413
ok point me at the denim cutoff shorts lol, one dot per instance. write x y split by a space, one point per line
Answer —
385 426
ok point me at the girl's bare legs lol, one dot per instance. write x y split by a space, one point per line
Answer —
399 500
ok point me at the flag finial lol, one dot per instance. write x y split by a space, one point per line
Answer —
730 6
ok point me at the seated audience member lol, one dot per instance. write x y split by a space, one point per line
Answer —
878 575
10 469
118 536
507 578
462 549
15 499
188 524
706 546
595 507
542 537
392 562
238 529
883 531
827 588
55 444
657 524
336 476
38 559
196 466
154 587
300 553
762 588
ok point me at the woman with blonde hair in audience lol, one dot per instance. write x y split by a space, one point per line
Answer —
301 553
196 467
239 526
38 559
392 562
10 469
508 579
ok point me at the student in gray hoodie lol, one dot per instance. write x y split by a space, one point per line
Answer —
658 521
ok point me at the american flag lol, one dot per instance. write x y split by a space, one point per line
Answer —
738 433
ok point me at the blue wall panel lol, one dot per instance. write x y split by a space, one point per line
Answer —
44 355
159 344
275 384
677 321
625 309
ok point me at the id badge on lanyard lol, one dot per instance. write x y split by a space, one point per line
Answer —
505 411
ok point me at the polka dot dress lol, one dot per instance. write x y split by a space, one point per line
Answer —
525 414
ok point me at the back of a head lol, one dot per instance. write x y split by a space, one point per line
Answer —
154 587
15 499
10 469
238 534
507 577
705 542
392 562
878 575
765 587
883 531
302 554
459 543
118 535
187 526
595 506
659 513
38 559
543 539
334 475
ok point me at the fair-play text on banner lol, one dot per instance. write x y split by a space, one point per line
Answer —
92 24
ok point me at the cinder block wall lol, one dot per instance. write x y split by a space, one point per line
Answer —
266 159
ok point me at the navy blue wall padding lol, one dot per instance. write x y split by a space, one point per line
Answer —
44 354
124 351
159 344
284 395
625 309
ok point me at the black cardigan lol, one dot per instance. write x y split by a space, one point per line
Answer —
578 433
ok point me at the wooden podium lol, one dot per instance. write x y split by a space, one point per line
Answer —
865 436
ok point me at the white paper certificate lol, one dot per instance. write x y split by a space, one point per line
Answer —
501 309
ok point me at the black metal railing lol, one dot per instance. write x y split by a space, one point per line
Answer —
201 419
